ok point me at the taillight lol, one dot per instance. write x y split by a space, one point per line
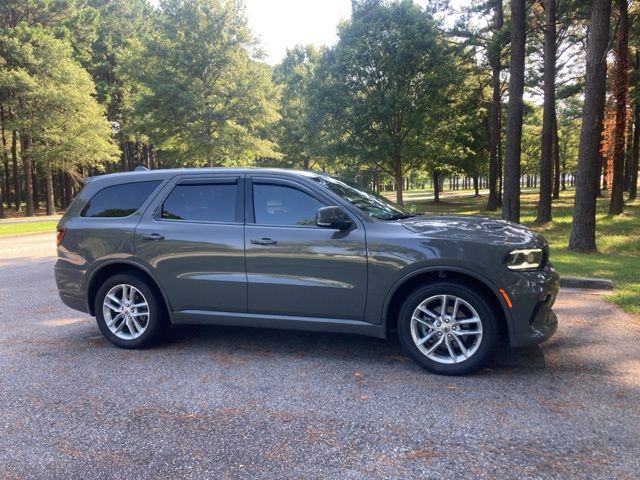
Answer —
59 235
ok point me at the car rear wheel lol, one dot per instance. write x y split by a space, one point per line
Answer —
447 328
129 312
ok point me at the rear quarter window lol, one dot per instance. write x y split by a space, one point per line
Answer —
119 200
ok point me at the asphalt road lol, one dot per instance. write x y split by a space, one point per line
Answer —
240 403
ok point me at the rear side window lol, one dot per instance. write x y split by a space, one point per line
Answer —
119 200
214 202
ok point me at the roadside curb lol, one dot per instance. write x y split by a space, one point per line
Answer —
588 283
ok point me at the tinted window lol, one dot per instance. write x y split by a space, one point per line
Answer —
203 203
280 205
119 200
371 203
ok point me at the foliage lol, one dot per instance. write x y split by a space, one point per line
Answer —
383 89
294 74
202 97
51 96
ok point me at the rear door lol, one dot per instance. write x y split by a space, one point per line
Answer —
193 241
294 267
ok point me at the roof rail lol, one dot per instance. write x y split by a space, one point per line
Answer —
140 168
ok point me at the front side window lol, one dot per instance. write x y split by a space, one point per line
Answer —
282 205
370 203
119 200
214 202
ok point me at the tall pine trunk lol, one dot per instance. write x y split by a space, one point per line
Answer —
511 196
546 143
556 158
51 206
495 59
620 90
436 186
17 193
635 150
4 190
583 228
25 154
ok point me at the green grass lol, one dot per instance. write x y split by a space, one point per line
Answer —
618 241
28 227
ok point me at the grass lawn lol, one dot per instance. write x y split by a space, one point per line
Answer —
618 240
28 227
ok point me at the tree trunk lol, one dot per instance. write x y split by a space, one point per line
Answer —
25 154
620 90
628 161
583 228
51 206
556 158
68 190
397 170
37 184
511 197
496 102
476 186
436 186
546 143
17 191
4 190
635 151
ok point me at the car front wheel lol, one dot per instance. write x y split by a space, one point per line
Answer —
129 312
447 328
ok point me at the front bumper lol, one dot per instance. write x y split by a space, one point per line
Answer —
533 295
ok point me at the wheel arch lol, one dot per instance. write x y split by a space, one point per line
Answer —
410 282
109 269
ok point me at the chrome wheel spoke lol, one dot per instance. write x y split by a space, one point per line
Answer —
429 313
122 324
463 349
452 354
461 333
114 320
426 338
467 321
135 323
132 328
435 346
454 313
443 308
422 321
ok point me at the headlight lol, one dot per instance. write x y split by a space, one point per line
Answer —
525 259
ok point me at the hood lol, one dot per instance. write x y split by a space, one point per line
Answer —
474 229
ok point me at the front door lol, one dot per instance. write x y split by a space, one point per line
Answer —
295 268
193 241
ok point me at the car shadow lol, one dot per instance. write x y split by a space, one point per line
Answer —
261 342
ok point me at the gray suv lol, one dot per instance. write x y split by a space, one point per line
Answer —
302 250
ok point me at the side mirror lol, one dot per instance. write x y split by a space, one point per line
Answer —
333 217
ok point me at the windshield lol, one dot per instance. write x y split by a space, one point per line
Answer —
370 203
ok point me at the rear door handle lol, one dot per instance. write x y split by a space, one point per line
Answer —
153 236
263 241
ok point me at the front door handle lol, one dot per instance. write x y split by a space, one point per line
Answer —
153 236
263 241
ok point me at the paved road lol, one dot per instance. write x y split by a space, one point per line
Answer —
234 403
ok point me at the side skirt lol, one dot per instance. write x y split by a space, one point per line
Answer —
312 324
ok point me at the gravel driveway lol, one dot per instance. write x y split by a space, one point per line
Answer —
243 403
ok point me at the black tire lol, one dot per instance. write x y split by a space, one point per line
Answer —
484 347
157 320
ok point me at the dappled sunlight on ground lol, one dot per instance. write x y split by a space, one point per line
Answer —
61 322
